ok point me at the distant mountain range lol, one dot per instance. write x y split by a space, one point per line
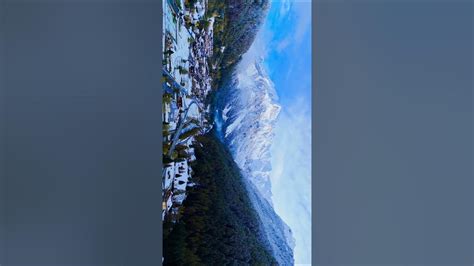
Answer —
228 216
247 110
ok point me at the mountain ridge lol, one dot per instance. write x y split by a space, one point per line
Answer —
247 110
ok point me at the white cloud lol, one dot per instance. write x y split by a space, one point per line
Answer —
285 7
303 11
291 174
291 149
283 44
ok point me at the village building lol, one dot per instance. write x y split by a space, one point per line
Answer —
182 171
186 83
168 176
167 203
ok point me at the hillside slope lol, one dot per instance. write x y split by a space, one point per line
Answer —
246 112
238 28
219 225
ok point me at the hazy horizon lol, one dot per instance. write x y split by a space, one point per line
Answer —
284 43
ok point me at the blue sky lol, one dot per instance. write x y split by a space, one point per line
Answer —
284 42
287 35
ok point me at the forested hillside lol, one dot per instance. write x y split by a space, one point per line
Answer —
236 27
219 226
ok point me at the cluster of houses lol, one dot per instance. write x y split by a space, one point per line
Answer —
195 13
199 67
186 83
176 178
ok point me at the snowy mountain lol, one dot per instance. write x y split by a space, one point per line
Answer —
248 118
278 236
247 110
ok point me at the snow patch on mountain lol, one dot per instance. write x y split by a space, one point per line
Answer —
225 111
250 115
246 116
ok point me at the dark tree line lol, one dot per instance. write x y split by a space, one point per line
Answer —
219 225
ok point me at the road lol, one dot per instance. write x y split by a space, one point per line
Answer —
181 122
175 83
177 132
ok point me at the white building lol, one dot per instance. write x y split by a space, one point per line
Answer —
167 204
168 176
181 178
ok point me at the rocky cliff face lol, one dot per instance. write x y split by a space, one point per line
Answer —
247 110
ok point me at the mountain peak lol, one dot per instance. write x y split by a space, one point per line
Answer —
251 112
247 112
